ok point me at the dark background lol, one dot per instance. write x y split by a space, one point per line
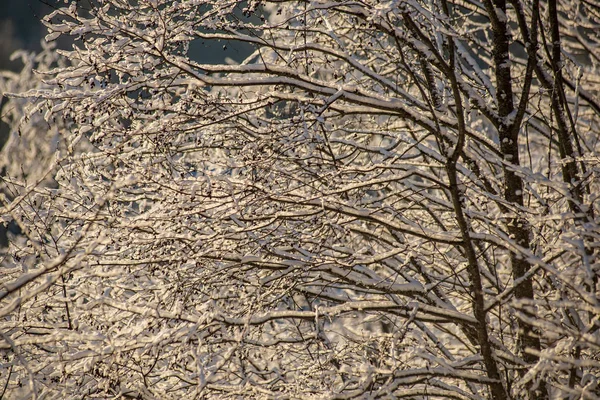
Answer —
20 27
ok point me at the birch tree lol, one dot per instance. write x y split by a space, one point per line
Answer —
392 199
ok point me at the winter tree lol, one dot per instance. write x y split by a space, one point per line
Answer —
393 199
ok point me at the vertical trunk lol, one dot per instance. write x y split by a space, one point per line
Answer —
456 194
508 131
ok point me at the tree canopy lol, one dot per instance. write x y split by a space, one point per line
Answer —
393 199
